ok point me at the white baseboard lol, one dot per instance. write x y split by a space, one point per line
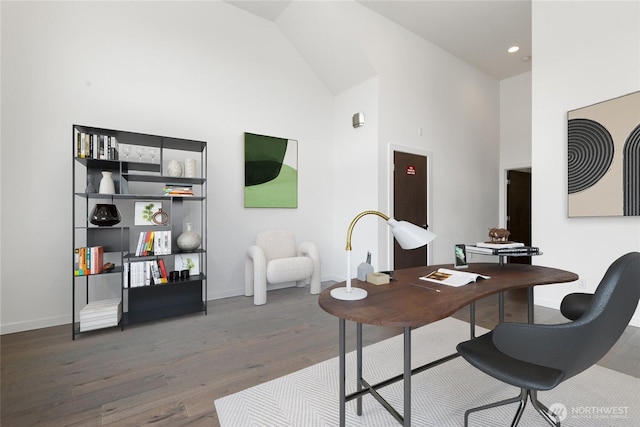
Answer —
29 325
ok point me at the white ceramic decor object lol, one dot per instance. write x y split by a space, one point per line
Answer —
174 168
189 240
190 168
106 184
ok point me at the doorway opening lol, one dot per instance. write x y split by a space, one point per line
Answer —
518 209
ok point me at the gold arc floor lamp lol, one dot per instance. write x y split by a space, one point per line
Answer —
408 235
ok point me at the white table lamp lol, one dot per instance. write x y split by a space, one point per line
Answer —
408 235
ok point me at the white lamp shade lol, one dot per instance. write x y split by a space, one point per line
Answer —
408 235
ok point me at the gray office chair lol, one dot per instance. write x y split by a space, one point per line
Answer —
574 305
539 357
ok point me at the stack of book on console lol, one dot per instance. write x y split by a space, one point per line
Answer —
506 248
100 314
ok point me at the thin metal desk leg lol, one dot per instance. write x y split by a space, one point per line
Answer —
407 376
530 314
341 356
501 307
359 365
472 319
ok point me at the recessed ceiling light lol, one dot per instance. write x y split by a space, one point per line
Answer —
513 49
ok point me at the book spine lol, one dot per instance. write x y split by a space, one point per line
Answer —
106 141
83 146
163 271
78 139
155 272
87 264
141 240
125 275
518 250
147 273
76 262
114 148
148 246
100 259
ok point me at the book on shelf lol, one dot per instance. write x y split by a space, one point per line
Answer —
155 272
178 190
154 243
456 278
519 250
138 273
100 314
125 277
162 242
163 271
94 146
141 240
88 260
148 245
499 245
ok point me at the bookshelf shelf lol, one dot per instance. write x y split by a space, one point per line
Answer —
139 180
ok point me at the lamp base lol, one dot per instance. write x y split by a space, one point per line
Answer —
354 295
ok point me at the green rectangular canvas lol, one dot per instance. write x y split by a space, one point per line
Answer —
270 172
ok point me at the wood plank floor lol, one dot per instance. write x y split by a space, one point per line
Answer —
170 372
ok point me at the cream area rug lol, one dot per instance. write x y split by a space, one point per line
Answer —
309 397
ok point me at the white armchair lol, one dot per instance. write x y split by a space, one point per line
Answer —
274 259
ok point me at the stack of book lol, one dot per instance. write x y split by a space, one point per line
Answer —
92 146
88 260
145 273
154 243
100 314
178 190
507 249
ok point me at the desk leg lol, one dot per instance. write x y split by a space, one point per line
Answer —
501 307
530 314
407 376
472 319
341 356
359 365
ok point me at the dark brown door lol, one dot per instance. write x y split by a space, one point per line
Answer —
519 210
409 203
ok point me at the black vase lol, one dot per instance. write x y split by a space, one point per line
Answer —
104 215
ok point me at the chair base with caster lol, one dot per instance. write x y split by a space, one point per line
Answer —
524 396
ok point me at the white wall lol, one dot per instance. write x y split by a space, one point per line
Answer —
210 71
355 176
457 107
515 133
202 70
584 52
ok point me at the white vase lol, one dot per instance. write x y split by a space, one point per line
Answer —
106 184
189 240
190 168
174 168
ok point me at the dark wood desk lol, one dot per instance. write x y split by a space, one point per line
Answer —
402 305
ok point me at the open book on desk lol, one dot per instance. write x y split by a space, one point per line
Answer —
448 277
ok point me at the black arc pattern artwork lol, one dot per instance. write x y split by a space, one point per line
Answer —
603 158
632 173
590 153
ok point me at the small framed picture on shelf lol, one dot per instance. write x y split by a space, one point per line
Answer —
189 262
460 252
150 213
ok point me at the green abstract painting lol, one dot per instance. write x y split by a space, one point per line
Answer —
270 172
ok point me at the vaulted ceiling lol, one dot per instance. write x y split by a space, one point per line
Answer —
477 31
